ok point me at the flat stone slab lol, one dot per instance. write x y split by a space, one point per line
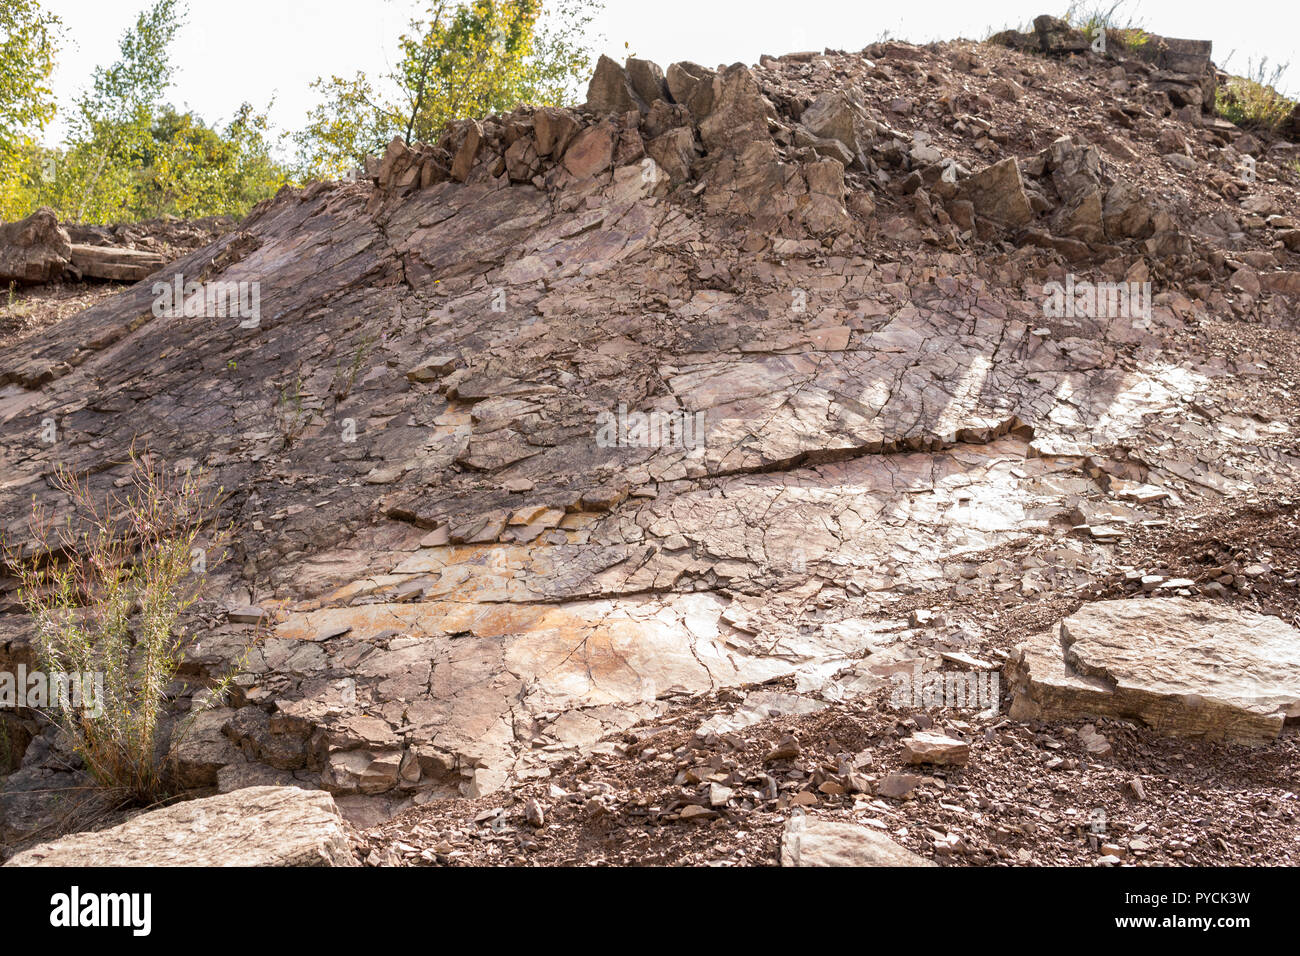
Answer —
259 826
1182 667
807 842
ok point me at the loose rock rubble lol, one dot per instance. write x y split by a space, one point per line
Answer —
671 792
747 380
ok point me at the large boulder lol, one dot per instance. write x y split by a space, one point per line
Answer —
674 151
202 749
830 116
610 90
1075 168
998 193
1075 174
824 212
1127 211
1290 127
522 160
1190 57
113 262
35 249
692 85
26 807
1182 667
809 842
1057 37
647 79
553 128
1181 89
260 826
739 114
1287 283
1025 42
468 152
664 116
591 152
15 734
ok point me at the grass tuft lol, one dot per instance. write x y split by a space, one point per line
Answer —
1252 101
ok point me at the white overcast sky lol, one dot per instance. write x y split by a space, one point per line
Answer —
235 50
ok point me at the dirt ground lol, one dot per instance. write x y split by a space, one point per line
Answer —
1031 795
26 310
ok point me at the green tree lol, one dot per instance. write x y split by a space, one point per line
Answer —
189 169
466 59
113 120
560 62
343 128
130 155
28 45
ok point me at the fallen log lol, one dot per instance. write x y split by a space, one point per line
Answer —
111 262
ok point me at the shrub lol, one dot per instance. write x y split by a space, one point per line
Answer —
292 416
105 588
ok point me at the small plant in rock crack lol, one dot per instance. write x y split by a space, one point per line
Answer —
345 379
15 305
291 414
105 588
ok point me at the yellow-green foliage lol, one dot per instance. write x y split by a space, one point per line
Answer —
128 155
28 45
467 59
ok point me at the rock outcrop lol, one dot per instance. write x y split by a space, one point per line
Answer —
36 249
1057 37
724 378
39 249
